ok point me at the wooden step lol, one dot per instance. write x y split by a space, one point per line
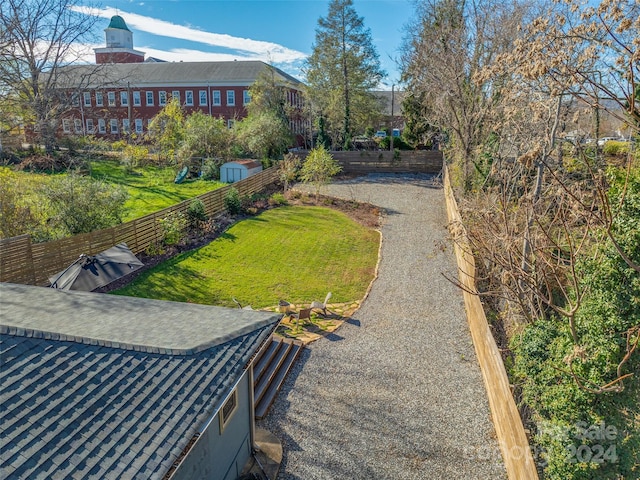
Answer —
263 382
269 393
264 358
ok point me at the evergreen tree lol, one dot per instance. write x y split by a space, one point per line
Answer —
342 70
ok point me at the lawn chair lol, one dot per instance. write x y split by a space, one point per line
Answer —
303 315
246 307
321 306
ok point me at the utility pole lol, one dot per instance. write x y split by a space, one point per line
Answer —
392 105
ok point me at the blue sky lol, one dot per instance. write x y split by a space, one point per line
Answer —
280 32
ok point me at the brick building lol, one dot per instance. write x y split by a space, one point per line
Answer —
123 92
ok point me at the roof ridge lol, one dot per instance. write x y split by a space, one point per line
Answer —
46 335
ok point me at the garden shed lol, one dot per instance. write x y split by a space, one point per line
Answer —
238 170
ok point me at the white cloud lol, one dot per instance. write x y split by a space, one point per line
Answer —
83 53
244 48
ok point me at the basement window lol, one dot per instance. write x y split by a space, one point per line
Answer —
228 409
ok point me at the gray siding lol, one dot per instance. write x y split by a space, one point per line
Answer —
218 456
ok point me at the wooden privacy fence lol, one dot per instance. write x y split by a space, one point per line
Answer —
361 162
510 433
32 263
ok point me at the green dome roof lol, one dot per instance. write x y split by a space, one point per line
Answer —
118 22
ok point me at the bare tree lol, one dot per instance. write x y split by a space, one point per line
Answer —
589 52
37 38
449 43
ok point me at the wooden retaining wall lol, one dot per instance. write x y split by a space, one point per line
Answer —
33 263
510 433
362 162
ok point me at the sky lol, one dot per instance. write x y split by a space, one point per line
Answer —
279 32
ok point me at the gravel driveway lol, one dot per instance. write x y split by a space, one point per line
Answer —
396 393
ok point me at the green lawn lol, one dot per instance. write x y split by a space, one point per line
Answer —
296 254
150 188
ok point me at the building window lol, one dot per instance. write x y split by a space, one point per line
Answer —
246 97
66 125
124 99
90 125
216 97
231 98
162 98
189 98
75 100
77 125
138 123
111 99
114 125
125 125
87 99
149 99
203 97
101 126
99 99
230 123
175 95
228 409
136 99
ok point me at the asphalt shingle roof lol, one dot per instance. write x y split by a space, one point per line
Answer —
80 406
243 72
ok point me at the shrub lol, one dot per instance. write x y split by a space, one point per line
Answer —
118 145
278 199
232 201
81 204
288 169
132 156
614 148
398 143
196 212
173 228
210 170
17 216
319 168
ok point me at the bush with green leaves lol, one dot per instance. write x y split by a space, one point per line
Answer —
288 169
233 202
17 214
196 212
173 228
616 148
595 382
133 156
210 169
80 204
399 143
319 168
278 199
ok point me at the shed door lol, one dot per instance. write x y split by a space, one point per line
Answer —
234 174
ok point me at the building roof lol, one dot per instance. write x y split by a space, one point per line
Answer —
101 386
170 74
118 22
244 163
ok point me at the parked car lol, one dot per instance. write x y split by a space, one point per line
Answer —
381 134
362 142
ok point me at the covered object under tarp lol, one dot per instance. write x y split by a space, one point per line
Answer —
89 272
